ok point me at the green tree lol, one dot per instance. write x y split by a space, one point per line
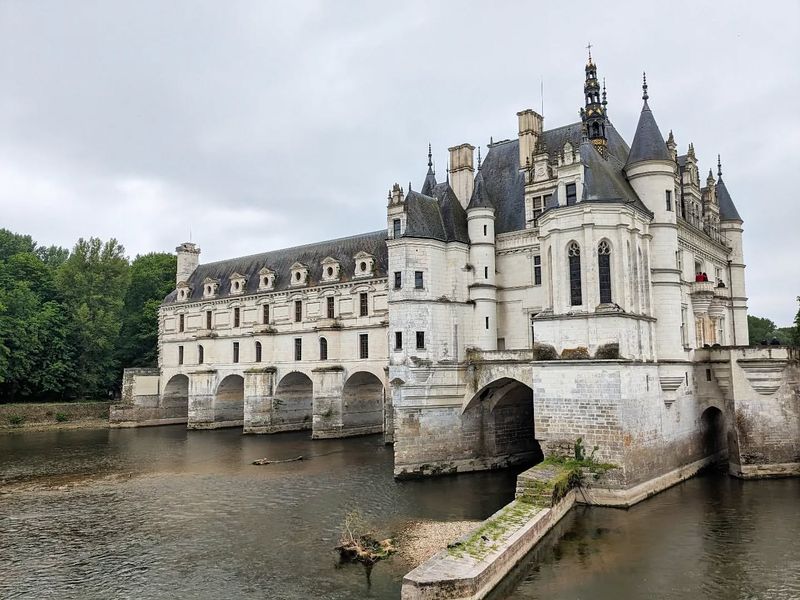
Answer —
152 277
52 256
13 243
794 338
93 282
760 329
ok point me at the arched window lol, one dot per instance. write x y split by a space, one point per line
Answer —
575 294
200 355
258 351
323 349
604 271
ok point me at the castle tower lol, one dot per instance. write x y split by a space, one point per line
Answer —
188 260
593 114
651 173
483 290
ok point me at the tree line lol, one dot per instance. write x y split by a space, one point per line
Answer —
71 320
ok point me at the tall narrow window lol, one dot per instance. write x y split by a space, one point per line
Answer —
418 281
323 349
487 322
572 195
180 355
209 319
486 272
363 345
420 340
330 306
181 322
298 349
398 340
265 314
398 280
396 228
669 200
604 271
298 311
363 301
200 355
485 232
537 269
258 351
236 316
236 352
575 293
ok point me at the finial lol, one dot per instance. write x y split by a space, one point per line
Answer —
589 48
604 92
479 157
491 140
719 166
409 186
430 162
644 86
671 138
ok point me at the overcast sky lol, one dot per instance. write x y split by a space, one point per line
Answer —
259 125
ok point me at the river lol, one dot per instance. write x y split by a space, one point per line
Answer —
165 513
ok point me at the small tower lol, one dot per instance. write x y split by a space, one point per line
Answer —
593 114
483 290
188 260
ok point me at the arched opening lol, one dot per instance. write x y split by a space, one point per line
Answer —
362 403
503 412
229 401
575 292
712 432
293 401
323 349
175 398
604 271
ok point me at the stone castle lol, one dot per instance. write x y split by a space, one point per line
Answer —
569 285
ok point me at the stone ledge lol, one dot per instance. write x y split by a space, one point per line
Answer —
765 471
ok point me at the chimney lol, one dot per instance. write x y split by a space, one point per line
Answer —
462 172
188 260
530 128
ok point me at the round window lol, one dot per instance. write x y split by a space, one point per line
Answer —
330 271
363 266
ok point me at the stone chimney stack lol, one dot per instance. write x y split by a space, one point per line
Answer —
530 128
188 260
462 172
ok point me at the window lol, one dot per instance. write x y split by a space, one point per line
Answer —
298 311
363 345
484 230
487 322
323 349
265 314
236 352
537 204
298 349
258 351
209 319
398 340
363 301
180 355
330 305
200 355
575 293
604 271
236 315
396 228
418 282
420 340
181 322
669 200
486 272
572 194
398 280
537 269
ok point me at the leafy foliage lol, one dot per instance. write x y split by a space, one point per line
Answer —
763 331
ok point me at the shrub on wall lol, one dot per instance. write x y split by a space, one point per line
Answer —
579 353
544 352
607 351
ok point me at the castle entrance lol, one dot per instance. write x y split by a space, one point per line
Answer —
712 431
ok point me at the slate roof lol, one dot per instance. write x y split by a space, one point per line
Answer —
480 197
727 209
311 255
439 217
430 183
648 143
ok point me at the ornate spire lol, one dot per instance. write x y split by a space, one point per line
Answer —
645 96
593 114
430 161
479 158
719 166
589 48
605 102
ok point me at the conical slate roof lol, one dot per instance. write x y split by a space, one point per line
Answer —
648 143
430 183
480 197
727 209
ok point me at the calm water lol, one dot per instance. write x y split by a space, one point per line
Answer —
185 515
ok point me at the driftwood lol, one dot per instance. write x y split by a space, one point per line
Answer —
266 461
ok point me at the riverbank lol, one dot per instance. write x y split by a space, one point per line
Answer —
35 416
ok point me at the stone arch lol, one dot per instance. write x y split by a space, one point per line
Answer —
362 402
175 397
713 435
503 414
293 401
229 402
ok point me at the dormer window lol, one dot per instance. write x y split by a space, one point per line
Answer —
365 264
266 279
184 291
299 274
238 283
330 269
210 287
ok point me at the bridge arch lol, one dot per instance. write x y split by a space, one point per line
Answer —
229 401
292 403
175 397
713 433
363 401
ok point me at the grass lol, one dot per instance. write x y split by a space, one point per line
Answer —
484 539
61 417
16 419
